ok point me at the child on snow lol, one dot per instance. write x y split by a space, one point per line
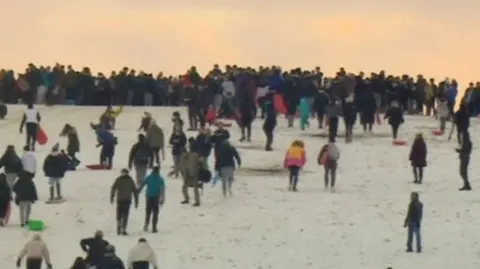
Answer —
328 157
295 159
155 196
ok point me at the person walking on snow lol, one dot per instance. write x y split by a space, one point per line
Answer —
328 157
413 222
36 252
31 120
124 189
141 256
25 195
29 162
418 158
155 197
12 165
464 153
295 159
226 156
55 166
140 157
304 110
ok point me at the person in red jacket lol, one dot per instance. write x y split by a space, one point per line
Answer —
418 158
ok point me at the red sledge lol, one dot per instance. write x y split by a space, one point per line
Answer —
96 167
399 142
211 115
279 104
42 137
437 132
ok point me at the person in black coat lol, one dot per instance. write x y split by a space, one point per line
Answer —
368 108
178 141
349 117
270 120
12 164
247 115
25 195
140 157
95 247
395 118
110 260
319 105
5 198
464 153
203 144
55 166
413 222
461 120
226 156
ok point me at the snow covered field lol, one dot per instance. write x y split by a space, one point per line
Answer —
263 225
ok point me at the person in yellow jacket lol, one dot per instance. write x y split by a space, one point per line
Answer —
108 118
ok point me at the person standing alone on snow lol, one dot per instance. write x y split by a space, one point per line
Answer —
141 256
140 157
295 159
413 222
124 189
155 196
418 158
55 166
35 251
31 119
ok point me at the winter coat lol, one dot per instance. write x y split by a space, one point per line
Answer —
226 155
5 191
418 153
219 136
110 261
442 110
394 115
349 113
320 102
25 189
155 137
295 156
55 165
105 137
142 252
414 214
190 165
202 145
304 108
178 143
95 248
29 162
155 185
145 124
332 151
140 154
73 144
11 163
333 110
124 188
35 249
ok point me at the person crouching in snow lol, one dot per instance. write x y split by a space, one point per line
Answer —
295 159
107 141
55 166
443 113
5 198
25 195
418 158
141 256
124 189
328 157
225 156
394 115
110 260
12 164
155 196
73 143
36 252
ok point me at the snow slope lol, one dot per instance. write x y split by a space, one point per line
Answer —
264 226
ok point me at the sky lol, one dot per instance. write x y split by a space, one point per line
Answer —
436 38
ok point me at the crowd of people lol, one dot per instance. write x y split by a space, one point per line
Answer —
241 94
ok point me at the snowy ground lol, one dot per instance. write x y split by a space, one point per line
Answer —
264 226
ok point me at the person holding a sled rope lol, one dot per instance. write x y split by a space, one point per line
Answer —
31 119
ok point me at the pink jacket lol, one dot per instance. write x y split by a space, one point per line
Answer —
295 156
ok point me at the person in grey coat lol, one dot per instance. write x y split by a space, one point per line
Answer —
156 140
331 154
140 158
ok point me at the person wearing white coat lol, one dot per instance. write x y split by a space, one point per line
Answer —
443 113
141 256
29 162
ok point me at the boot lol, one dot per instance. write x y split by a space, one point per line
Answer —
184 202
59 191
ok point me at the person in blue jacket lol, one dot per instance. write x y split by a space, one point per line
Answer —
155 196
304 110
107 141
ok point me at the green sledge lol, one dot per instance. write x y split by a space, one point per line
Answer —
36 225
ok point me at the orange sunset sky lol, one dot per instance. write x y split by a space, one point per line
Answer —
437 38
